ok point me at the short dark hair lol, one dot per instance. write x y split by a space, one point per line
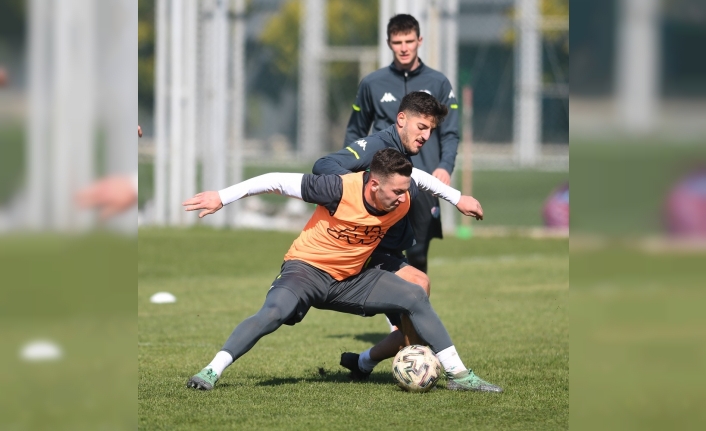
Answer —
423 103
402 23
390 161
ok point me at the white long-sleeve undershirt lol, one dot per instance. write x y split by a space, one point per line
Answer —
289 184
286 184
434 185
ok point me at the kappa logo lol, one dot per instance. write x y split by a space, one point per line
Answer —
452 95
387 97
362 143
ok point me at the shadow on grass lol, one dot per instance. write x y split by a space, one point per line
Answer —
368 337
326 376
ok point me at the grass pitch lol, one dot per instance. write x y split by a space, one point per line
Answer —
503 300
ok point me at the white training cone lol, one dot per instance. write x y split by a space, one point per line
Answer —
40 350
162 298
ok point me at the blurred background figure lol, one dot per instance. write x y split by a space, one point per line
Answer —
67 117
111 195
3 77
685 206
556 208
74 80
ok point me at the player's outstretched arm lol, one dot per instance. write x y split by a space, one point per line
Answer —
280 183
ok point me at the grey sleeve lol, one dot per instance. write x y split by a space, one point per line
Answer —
324 190
448 129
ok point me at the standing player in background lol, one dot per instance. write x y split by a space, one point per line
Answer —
376 105
111 195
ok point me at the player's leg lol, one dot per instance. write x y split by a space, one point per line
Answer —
399 266
403 333
414 276
282 305
279 306
425 216
391 294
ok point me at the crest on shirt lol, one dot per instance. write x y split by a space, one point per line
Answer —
362 143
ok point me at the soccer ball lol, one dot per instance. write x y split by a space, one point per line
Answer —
416 368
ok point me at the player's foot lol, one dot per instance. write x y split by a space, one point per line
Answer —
468 381
350 360
204 380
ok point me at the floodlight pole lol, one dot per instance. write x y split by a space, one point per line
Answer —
312 98
238 98
637 59
188 180
176 117
38 122
528 96
160 100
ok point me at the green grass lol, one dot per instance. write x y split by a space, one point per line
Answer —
503 300
638 343
622 186
78 292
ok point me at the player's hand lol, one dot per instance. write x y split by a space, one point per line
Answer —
209 202
442 175
139 131
469 206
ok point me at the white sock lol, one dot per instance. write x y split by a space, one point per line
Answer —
220 362
393 328
366 364
450 360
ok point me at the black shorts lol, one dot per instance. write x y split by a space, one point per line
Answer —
316 288
425 216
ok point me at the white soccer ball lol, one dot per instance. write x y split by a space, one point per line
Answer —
416 368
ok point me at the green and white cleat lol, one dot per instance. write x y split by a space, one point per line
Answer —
468 381
205 380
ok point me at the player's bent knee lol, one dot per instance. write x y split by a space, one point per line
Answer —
424 282
412 295
273 314
415 276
